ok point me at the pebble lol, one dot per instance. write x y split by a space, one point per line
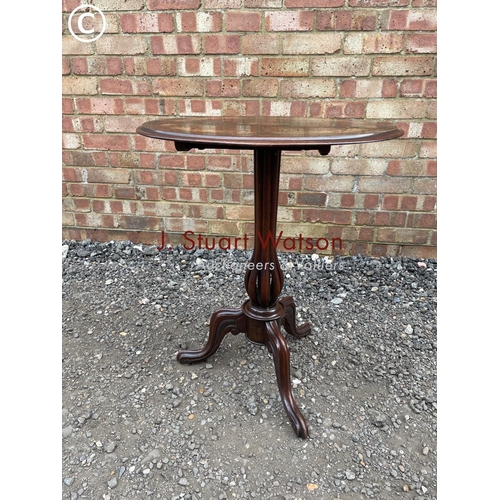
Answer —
68 481
358 373
113 482
110 447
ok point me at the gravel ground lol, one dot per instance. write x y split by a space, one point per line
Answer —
137 424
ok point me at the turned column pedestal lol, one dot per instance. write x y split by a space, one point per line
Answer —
263 314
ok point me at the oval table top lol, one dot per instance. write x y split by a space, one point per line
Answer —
250 132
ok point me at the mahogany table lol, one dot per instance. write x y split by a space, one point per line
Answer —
262 315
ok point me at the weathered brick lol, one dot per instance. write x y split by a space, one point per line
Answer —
412 168
256 87
178 87
379 3
311 43
106 142
368 88
222 4
241 66
337 183
358 166
224 88
108 175
422 43
122 124
311 199
121 45
340 66
98 65
314 3
199 22
289 21
196 66
172 4
346 20
308 165
314 87
279 66
401 148
373 43
243 21
72 46
411 19
147 23
111 5
79 85
403 66
222 44
378 184
260 44
403 108
176 44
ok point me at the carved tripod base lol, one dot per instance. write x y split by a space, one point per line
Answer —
261 326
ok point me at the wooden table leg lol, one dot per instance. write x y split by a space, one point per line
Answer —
262 316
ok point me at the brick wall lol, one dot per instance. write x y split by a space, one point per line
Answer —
373 59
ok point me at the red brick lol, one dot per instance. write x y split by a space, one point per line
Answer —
147 23
346 20
413 19
178 87
368 88
390 202
422 220
373 43
225 88
115 86
409 202
199 22
429 203
423 43
157 66
430 88
347 201
222 44
371 201
243 21
311 199
106 142
176 44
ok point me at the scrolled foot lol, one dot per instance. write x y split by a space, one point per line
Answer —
222 322
277 344
289 320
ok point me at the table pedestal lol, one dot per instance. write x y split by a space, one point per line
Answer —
262 316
